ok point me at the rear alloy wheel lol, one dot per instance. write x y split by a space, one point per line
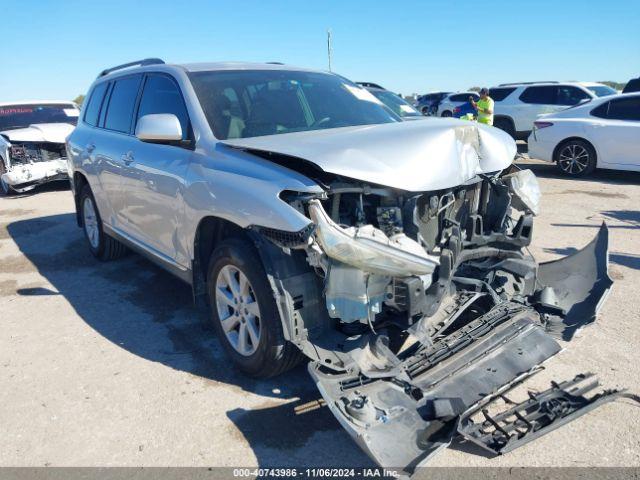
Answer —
101 245
244 311
576 158
446 113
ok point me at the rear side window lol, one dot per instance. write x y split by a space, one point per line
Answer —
462 97
625 109
540 95
499 94
162 95
122 103
93 106
601 110
568 95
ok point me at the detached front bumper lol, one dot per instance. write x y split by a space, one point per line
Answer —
414 403
21 176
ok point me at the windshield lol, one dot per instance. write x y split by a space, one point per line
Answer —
21 116
398 105
602 90
253 103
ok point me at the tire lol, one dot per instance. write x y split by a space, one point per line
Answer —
5 189
271 354
101 245
446 114
576 158
506 125
425 110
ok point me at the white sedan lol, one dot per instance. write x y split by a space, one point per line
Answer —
604 133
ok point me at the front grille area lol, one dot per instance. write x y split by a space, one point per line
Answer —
29 152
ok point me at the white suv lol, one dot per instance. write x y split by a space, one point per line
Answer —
454 100
517 105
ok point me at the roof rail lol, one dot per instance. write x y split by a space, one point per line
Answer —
141 63
526 83
370 85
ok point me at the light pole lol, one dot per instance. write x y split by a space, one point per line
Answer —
329 49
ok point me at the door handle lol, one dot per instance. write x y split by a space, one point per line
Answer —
127 158
90 147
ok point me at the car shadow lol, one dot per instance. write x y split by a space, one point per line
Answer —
148 312
550 170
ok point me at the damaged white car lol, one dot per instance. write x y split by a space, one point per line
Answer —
32 143
392 255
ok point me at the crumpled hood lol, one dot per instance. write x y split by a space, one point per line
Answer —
40 132
416 156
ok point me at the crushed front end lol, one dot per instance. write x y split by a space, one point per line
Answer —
432 304
32 163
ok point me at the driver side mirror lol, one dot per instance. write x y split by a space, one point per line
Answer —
159 128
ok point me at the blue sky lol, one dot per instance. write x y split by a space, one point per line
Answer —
54 49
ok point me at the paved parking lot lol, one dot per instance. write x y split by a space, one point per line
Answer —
110 364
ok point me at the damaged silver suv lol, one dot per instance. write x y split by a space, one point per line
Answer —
392 255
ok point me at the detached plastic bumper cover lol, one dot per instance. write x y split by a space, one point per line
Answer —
577 286
541 413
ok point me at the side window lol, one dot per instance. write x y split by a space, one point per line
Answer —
625 109
499 94
93 106
121 104
545 95
162 95
568 95
462 97
601 110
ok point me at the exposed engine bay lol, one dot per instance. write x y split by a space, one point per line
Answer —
432 304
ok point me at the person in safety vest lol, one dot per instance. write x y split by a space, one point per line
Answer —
484 107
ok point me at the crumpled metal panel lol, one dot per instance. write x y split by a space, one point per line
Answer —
413 156
35 172
40 132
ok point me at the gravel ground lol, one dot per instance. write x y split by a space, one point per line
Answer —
105 364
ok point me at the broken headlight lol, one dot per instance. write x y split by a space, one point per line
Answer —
369 249
525 189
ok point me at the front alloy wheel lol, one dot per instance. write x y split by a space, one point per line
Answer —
576 158
238 310
244 311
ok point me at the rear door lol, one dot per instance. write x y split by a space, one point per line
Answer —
154 176
539 100
617 134
81 145
536 100
113 142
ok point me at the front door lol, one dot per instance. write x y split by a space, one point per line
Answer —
154 176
